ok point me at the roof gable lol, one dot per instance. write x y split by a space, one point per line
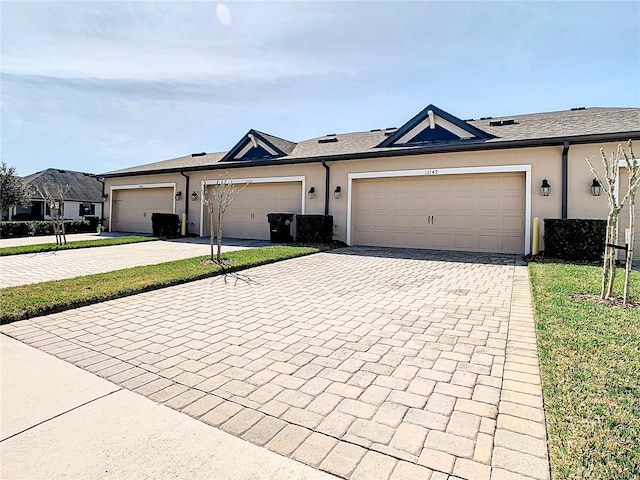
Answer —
433 125
256 145
84 187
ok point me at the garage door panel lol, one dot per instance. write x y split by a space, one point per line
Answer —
623 220
246 217
132 208
482 212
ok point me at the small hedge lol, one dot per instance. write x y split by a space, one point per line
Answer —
314 229
165 225
574 238
37 228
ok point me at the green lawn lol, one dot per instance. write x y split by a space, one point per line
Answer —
590 366
28 301
50 247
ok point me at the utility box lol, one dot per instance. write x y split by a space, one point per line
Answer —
280 227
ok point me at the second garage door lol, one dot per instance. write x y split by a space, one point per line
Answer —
246 217
132 208
478 212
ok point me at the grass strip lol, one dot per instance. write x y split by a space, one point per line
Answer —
52 247
27 301
590 367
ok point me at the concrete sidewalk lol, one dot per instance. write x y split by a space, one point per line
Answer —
58 421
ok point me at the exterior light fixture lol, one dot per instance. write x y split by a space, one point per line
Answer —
178 196
194 196
311 193
596 188
545 188
336 192
104 197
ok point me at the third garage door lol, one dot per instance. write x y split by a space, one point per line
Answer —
475 212
246 217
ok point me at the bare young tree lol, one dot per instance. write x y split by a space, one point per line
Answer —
634 182
217 199
611 170
55 201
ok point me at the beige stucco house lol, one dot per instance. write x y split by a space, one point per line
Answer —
435 182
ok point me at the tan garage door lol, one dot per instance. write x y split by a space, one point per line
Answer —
480 212
246 217
623 220
132 209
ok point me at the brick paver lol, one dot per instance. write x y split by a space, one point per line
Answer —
45 266
360 362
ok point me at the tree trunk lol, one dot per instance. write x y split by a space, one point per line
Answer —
219 235
627 273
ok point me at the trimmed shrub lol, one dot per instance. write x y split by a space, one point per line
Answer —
165 225
314 229
574 238
37 228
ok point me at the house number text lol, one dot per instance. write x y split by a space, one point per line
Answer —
431 172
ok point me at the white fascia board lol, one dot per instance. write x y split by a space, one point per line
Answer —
136 187
449 171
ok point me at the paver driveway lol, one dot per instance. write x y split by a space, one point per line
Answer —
366 363
44 266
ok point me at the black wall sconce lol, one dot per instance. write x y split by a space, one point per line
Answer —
545 188
596 188
194 196
104 197
311 193
178 196
336 192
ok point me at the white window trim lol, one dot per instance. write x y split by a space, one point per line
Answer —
136 187
449 171
298 178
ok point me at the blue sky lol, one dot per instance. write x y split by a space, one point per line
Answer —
97 86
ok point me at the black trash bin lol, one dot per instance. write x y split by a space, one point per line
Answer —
280 227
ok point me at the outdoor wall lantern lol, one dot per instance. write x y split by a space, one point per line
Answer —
104 197
194 196
596 188
336 192
545 188
178 196
311 193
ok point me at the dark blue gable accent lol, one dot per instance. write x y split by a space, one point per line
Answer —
434 135
392 139
255 152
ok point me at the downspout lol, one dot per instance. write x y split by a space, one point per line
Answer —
565 177
186 200
101 180
326 188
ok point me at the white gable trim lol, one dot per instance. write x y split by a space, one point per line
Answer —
426 123
449 171
249 146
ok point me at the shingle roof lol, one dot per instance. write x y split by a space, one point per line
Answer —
84 186
529 127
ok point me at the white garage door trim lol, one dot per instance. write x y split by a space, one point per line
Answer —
136 187
298 178
449 171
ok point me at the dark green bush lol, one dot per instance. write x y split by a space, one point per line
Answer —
314 229
165 224
37 228
574 238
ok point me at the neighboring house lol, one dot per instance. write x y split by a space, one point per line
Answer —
435 182
83 198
